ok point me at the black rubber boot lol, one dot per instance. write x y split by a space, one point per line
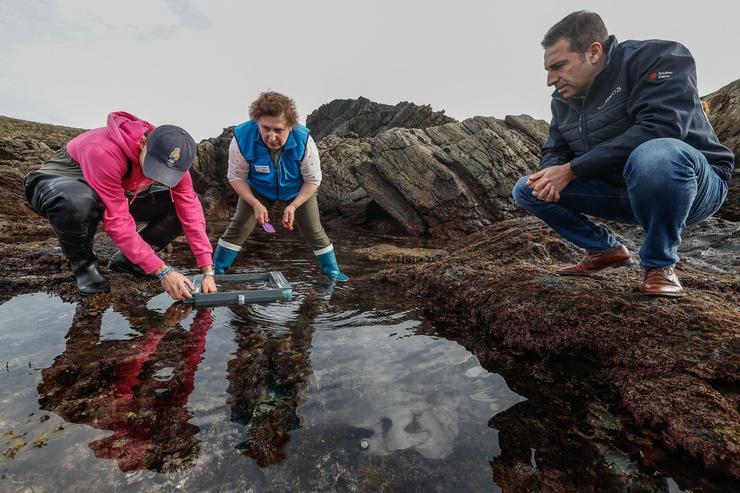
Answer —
158 235
74 210
78 248
88 279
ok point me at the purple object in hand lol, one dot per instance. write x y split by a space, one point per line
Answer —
269 228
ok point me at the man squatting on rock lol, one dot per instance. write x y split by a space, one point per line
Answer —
629 142
125 172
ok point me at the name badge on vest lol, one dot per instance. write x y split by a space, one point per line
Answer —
261 168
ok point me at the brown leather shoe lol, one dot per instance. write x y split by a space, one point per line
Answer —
594 262
662 282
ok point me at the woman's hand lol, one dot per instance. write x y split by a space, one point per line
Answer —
176 313
289 217
177 286
260 213
208 285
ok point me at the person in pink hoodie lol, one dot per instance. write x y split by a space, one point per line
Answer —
125 172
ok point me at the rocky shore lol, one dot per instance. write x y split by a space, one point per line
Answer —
673 365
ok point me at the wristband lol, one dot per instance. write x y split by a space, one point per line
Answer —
164 272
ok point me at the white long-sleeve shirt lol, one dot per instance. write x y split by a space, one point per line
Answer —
310 164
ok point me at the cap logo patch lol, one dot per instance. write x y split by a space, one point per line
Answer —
174 156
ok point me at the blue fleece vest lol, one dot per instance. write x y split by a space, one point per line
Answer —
274 182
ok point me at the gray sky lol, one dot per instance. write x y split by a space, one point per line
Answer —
199 63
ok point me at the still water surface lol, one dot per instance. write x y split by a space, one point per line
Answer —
338 388
342 388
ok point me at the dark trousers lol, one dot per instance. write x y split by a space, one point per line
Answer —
669 185
74 210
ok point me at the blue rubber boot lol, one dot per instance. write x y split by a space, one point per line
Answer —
329 266
223 258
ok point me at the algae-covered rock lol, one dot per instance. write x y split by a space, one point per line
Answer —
673 363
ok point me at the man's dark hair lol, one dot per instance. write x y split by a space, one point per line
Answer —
581 28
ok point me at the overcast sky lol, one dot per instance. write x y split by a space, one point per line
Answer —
199 63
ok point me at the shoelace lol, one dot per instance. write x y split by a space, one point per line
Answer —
666 274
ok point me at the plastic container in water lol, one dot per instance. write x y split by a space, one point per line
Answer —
272 286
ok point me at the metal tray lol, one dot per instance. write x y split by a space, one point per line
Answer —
280 289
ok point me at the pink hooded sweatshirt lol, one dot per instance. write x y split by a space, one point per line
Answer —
104 155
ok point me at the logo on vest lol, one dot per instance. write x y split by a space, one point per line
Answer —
616 90
261 168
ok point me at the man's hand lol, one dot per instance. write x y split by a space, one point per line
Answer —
260 213
177 286
547 184
289 217
208 285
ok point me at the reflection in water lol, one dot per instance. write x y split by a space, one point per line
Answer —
139 388
410 393
351 390
136 388
266 376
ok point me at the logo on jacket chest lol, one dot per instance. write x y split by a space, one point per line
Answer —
616 91
261 168
660 75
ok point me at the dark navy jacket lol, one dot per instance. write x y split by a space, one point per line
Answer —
647 90
280 181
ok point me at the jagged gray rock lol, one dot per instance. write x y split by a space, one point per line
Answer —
364 118
401 166
535 129
440 181
724 114
209 175
341 195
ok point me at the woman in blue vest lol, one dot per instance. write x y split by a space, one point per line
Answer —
273 158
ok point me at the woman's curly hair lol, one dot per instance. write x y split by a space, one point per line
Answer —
272 103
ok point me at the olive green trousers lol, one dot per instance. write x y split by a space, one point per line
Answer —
306 219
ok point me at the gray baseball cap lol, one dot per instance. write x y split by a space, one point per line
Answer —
170 151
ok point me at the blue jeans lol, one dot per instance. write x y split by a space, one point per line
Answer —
669 185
